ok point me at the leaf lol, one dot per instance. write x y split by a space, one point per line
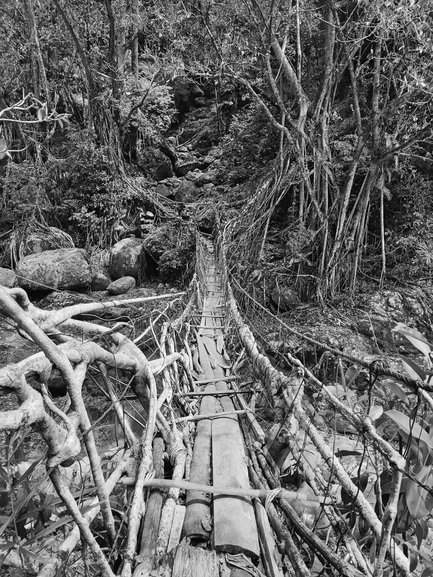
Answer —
42 113
3 148
340 392
396 389
52 528
373 553
351 374
317 567
413 563
345 446
409 427
415 371
375 412
421 531
416 497
417 339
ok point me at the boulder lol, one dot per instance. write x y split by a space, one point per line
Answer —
13 347
156 242
163 171
59 300
7 277
121 285
61 269
187 192
183 168
196 129
209 177
100 281
126 259
164 190
194 176
284 299
208 160
173 182
47 238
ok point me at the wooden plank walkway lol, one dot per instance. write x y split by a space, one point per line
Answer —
219 455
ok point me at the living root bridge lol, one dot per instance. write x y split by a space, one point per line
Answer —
202 411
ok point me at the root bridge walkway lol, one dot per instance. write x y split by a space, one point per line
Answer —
205 474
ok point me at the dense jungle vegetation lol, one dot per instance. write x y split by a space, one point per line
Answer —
322 113
299 133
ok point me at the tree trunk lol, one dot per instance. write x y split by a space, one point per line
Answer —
40 83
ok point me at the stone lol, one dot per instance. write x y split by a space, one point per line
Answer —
284 298
209 177
195 129
187 192
13 347
207 160
61 269
163 171
8 278
173 182
186 167
127 259
208 186
59 300
155 243
51 238
195 176
100 281
121 285
164 190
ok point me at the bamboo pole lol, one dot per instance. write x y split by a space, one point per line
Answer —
198 512
152 515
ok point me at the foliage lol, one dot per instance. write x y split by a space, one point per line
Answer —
172 248
249 146
415 505
146 106
24 192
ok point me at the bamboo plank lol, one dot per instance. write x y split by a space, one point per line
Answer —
210 416
307 500
195 562
198 514
214 380
153 507
235 529
176 528
217 393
